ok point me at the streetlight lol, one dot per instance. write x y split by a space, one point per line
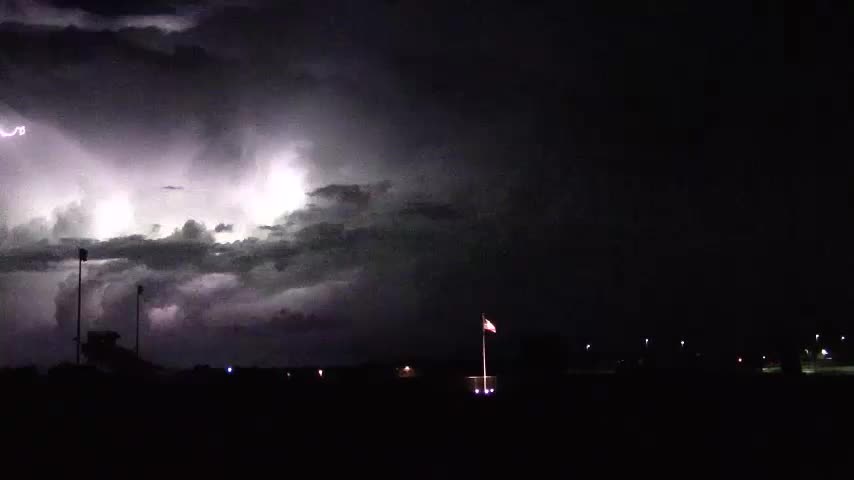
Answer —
682 343
587 347
645 343
815 356
83 255
138 296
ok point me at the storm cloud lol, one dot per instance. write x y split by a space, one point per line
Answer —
303 182
43 14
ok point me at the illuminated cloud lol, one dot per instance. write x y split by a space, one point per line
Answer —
278 188
164 317
113 217
209 283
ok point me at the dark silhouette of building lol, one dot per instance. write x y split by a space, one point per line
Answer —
103 351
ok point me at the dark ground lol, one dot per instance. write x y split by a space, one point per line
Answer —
609 426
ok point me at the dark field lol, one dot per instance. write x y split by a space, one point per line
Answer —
607 426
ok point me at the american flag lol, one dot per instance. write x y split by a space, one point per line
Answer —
487 325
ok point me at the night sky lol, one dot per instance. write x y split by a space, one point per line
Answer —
306 182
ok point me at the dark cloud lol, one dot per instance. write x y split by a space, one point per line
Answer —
172 187
322 235
193 231
43 14
433 211
298 322
224 228
343 193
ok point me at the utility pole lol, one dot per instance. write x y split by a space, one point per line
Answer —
82 256
138 296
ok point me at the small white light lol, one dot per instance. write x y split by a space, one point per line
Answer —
763 357
485 391
491 390
739 359
320 372
816 337
289 374
587 347
682 343
406 368
825 352
843 338
476 391
229 369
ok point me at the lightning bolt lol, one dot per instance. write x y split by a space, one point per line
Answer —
20 130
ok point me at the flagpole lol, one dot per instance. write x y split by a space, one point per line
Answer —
483 343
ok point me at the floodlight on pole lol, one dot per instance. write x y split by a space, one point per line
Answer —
139 291
82 256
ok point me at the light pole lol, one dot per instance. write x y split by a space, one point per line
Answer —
815 355
82 256
138 296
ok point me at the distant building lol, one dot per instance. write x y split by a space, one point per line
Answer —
103 351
